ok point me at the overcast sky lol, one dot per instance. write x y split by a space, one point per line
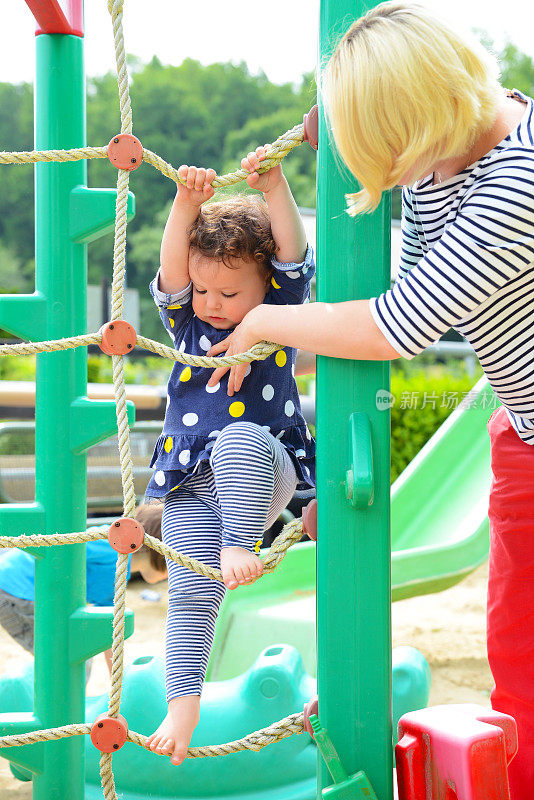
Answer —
279 37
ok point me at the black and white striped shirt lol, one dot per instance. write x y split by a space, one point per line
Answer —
467 262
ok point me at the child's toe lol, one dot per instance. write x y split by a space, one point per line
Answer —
179 754
230 580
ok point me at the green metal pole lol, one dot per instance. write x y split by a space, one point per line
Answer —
61 378
353 456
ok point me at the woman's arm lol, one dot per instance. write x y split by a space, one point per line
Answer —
340 330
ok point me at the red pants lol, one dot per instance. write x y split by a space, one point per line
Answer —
511 592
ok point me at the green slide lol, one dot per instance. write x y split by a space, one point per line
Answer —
439 534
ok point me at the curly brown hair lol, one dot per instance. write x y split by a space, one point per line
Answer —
239 227
149 515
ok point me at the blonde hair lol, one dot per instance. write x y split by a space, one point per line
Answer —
402 88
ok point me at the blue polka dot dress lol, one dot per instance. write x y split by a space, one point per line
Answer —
196 413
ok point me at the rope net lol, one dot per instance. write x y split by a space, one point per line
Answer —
291 533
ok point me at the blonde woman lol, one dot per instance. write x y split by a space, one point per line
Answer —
412 102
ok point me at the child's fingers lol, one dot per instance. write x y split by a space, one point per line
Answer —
245 164
200 178
182 171
191 175
210 175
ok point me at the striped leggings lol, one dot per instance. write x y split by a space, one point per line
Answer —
231 501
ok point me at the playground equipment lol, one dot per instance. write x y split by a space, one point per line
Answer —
271 688
455 752
354 641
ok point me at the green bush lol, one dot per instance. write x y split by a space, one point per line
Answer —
424 398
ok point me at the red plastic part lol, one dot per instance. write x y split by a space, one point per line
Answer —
311 127
125 151
126 535
456 752
53 16
118 338
311 707
108 734
309 520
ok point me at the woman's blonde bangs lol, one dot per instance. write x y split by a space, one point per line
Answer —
402 88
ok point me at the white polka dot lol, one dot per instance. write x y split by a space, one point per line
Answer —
168 400
306 470
159 477
279 435
300 453
209 445
184 457
204 342
305 270
213 434
289 408
181 349
212 389
292 274
247 371
266 428
190 419
293 370
308 435
268 392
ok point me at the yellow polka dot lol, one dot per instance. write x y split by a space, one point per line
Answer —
280 358
275 284
185 374
257 546
172 307
237 409
171 321
168 444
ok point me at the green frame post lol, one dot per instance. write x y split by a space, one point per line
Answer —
353 480
60 475
67 423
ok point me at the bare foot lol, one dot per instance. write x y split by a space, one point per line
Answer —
173 736
239 566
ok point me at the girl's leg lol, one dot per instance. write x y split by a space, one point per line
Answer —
511 592
254 479
193 527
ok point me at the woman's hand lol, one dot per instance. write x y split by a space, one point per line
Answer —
197 188
266 181
241 340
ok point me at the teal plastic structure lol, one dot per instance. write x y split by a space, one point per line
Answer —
272 688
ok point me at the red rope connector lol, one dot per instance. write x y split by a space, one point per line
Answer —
118 338
309 520
311 127
125 151
108 734
126 535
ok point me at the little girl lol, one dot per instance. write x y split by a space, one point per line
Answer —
230 457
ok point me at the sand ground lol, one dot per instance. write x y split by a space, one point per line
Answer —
448 628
